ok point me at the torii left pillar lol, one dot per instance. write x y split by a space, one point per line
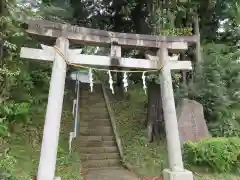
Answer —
46 168
49 147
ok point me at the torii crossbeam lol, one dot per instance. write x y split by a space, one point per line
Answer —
74 57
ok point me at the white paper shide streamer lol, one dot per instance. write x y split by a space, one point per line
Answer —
71 136
91 79
125 81
110 81
144 82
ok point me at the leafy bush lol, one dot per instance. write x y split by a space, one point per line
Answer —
216 87
220 154
11 113
6 165
15 111
22 82
225 128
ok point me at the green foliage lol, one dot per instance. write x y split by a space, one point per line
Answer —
177 32
6 166
226 128
216 86
147 159
23 147
22 83
15 111
220 154
11 113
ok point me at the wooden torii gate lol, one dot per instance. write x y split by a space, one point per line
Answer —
65 33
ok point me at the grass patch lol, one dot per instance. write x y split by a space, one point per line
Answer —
216 177
148 159
25 143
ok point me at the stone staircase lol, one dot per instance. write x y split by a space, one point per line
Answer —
96 141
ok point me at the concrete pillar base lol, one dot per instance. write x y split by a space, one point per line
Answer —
184 175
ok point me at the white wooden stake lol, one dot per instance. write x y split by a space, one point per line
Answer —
91 79
110 81
49 147
76 117
125 81
169 111
144 82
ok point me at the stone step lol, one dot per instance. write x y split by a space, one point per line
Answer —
96 100
94 150
96 133
93 116
100 156
93 111
101 163
98 95
90 120
94 123
96 138
84 117
87 89
102 168
93 105
96 143
92 100
92 129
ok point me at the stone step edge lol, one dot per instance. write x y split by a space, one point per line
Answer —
117 160
101 163
103 149
115 156
87 170
89 130
92 125
99 138
84 160
79 141
90 120
98 154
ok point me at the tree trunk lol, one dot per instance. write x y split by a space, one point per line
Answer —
119 84
154 121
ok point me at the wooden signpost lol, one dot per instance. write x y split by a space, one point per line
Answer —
74 34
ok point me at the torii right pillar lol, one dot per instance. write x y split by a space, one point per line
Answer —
176 170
